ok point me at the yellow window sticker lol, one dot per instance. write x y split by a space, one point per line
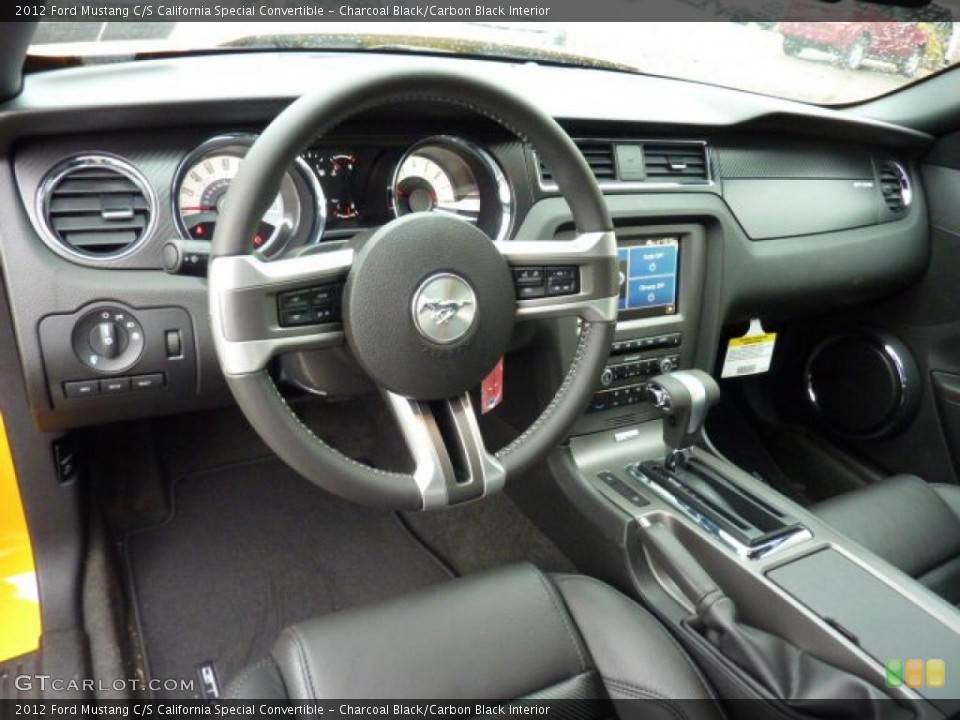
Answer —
750 354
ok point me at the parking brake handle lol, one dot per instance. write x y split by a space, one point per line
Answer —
809 686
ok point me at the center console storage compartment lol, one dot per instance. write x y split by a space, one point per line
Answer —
886 624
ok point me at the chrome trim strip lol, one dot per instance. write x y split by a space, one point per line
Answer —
78 162
633 184
794 537
906 187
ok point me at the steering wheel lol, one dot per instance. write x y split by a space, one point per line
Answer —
429 303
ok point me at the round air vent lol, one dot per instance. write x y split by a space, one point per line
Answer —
96 206
895 186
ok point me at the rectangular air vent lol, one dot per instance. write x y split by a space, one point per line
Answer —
663 162
599 156
676 162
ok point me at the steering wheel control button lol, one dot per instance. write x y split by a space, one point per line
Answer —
153 381
429 306
444 308
563 281
295 318
114 386
310 306
528 276
537 282
81 388
109 339
298 300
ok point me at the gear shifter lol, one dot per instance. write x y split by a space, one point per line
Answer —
684 397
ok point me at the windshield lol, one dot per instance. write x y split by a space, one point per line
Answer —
816 62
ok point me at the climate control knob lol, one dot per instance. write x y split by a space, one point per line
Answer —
667 365
606 377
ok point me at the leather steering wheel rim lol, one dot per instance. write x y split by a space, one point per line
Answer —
233 271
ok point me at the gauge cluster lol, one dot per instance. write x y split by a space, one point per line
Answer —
333 191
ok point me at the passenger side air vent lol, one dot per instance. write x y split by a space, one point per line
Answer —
599 156
96 206
676 162
639 162
895 187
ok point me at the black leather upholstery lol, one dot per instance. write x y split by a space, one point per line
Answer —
508 634
911 524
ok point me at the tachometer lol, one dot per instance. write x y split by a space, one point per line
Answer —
450 175
200 191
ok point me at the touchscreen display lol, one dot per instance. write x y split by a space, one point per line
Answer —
649 269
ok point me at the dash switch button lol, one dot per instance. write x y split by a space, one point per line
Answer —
174 342
154 381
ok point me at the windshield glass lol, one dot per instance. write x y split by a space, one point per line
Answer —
817 62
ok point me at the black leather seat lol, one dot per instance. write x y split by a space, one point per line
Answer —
911 524
509 634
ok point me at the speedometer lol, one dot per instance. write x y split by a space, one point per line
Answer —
200 192
453 176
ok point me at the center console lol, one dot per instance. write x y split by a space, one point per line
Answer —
772 602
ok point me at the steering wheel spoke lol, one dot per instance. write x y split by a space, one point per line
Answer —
452 464
251 324
591 257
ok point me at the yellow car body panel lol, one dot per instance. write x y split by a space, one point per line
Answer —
20 624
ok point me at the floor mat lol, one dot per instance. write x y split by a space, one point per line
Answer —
250 549
486 534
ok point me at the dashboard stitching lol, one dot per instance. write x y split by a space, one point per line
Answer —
561 393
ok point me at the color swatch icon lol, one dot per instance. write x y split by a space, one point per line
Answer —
894 673
915 673
936 673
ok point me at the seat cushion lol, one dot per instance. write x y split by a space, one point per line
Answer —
508 634
909 523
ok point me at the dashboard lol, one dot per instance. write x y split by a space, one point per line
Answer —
727 206
104 204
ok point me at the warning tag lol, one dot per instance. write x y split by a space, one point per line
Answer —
750 354
491 390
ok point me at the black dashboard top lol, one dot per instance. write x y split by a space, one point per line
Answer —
254 86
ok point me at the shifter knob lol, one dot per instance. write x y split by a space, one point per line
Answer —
684 397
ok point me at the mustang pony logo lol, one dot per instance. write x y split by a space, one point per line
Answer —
443 310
